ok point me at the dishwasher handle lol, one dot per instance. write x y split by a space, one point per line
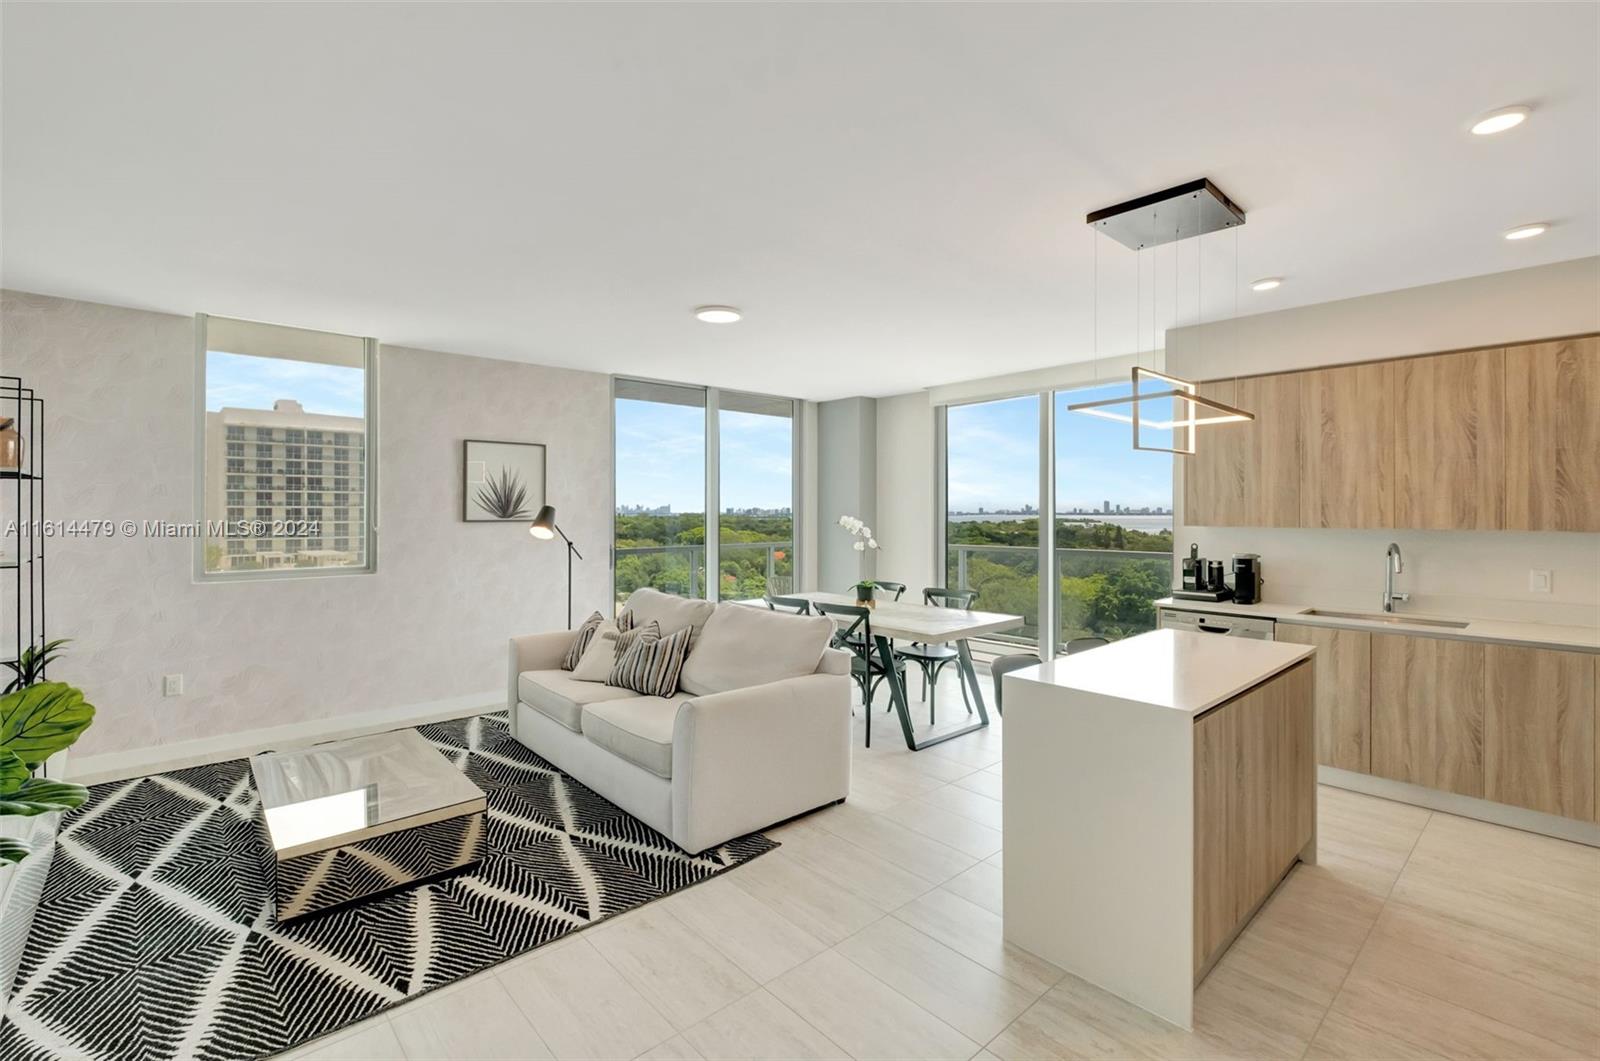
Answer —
1214 629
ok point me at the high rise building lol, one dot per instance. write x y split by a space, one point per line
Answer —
301 475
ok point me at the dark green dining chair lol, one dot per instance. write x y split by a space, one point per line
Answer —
798 605
934 658
866 665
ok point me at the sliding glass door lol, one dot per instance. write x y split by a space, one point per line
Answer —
1108 549
704 483
1113 523
660 469
755 514
991 489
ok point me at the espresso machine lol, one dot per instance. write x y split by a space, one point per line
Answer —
1202 579
1247 578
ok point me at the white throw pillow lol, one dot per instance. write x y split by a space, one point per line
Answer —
595 664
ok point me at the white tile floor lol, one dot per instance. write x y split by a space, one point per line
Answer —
875 932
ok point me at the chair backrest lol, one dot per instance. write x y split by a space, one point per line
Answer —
897 588
798 605
1004 665
1084 644
940 597
863 622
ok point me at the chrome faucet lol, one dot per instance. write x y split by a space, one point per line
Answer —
1393 564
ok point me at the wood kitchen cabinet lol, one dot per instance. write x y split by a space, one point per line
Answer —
1552 411
1247 475
1347 446
1450 444
1428 704
1539 730
1343 693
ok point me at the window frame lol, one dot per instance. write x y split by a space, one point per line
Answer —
713 477
370 388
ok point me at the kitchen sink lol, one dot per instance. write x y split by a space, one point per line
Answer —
1371 617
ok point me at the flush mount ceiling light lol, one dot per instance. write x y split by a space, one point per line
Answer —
717 314
1187 211
1267 283
1499 121
1527 231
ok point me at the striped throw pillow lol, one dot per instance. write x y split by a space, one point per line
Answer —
580 641
625 620
652 667
630 636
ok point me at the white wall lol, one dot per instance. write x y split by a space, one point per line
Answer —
906 476
1469 573
431 625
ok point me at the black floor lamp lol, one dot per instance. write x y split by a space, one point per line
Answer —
544 526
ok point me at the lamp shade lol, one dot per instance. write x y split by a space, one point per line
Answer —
544 524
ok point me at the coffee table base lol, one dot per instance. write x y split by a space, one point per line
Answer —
310 884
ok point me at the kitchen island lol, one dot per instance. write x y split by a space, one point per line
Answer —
1157 790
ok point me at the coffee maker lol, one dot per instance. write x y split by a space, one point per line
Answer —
1246 578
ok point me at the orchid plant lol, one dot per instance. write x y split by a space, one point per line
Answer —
860 531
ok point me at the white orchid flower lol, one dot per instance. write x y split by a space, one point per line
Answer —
860 547
872 543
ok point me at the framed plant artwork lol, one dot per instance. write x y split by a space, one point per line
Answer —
502 482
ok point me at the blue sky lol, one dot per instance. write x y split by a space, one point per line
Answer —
994 457
661 457
245 382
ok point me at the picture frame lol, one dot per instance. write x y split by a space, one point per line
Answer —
501 482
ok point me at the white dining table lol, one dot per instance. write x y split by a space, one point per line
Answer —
928 624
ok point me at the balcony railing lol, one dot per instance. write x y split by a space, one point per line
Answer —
1099 592
749 569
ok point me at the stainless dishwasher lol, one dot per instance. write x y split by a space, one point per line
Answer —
1215 623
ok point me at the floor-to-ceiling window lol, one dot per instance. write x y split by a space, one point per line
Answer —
1113 523
755 522
666 486
660 536
991 490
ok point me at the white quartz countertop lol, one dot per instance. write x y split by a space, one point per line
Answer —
1175 669
1533 635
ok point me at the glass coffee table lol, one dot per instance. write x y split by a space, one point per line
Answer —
354 819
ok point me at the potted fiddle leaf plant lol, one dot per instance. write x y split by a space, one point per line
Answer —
36 722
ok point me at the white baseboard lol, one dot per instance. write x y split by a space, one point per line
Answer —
117 766
1532 821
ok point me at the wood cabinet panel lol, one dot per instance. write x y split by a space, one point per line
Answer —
1552 409
1343 693
1272 449
1347 446
1428 698
1255 803
1539 722
1214 476
1450 447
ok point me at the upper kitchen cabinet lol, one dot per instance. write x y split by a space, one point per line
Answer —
1552 405
1450 441
1247 475
1347 446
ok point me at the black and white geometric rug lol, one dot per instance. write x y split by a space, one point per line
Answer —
155 937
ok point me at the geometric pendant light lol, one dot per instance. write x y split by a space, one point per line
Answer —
1187 211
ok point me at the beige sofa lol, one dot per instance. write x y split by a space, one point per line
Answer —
758 732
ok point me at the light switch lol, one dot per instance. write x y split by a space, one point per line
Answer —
1538 581
172 685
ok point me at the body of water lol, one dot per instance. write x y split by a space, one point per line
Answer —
1148 524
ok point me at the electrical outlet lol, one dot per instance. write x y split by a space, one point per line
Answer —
172 685
1538 581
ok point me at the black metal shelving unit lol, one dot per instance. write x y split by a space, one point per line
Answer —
22 547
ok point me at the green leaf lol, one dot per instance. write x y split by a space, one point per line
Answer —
12 850
13 772
40 795
42 719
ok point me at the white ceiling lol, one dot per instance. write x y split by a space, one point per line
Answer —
894 194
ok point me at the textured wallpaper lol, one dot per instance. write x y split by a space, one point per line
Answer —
431 624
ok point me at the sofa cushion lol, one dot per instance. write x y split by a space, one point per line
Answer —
743 646
673 613
607 647
637 729
560 696
580 640
651 667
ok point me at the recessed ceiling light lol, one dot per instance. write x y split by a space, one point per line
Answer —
1267 283
717 314
1499 121
1527 231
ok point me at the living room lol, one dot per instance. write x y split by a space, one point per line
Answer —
733 530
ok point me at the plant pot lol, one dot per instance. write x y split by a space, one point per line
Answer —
21 885
864 597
